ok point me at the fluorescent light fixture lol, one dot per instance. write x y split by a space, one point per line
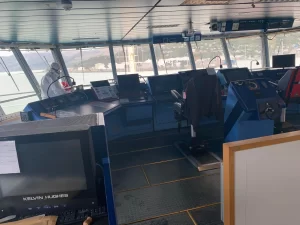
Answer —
278 1
205 2
89 38
163 26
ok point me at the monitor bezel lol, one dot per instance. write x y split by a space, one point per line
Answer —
83 198
132 91
283 56
226 71
154 79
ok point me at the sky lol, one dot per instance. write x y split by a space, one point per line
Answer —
5 53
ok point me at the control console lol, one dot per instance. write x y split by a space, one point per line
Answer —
251 92
73 216
252 108
57 103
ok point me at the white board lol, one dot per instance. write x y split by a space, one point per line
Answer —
267 185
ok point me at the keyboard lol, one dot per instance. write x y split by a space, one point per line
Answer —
75 216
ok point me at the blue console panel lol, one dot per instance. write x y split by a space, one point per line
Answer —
252 108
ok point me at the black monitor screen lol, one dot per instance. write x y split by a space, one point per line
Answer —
187 75
47 170
129 85
281 61
164 84
46 167
236 74
100 83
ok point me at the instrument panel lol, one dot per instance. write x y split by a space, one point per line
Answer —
59 102
253 85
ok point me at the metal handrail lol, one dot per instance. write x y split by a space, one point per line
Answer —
19 93
14 99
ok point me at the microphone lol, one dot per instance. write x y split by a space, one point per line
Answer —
254 60
215 58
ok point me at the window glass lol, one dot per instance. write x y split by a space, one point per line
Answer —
39 61
204 51
14 83
172 57
138 60
245 52
94 64
16 105
281 44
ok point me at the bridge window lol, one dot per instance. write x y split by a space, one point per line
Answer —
88 64
39 61
244 50
172 57
204 51
137 60
280 44
14 84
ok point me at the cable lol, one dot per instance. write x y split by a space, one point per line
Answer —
125 59
47 61
270 39
8 73
87 98
200 54
42 58
56 81
215 58
163 55
254 60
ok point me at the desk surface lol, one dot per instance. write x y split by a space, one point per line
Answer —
98 107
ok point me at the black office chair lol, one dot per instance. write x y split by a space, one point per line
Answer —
203 97
179 108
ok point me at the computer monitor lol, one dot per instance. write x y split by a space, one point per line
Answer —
45 172
129 86
100 83
282 61
236 74
164 84
185 76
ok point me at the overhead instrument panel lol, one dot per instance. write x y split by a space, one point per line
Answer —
251 24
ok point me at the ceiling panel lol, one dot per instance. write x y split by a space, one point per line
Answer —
45 21
201 15
77 5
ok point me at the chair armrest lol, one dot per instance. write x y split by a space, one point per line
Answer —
177 96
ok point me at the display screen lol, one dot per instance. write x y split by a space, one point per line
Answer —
187 75
164 84
236 74
100 83
129 85
46 167
281 61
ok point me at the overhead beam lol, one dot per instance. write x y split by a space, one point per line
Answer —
26 69
226 53
113 63
56 53
191 55
153 57
265 51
